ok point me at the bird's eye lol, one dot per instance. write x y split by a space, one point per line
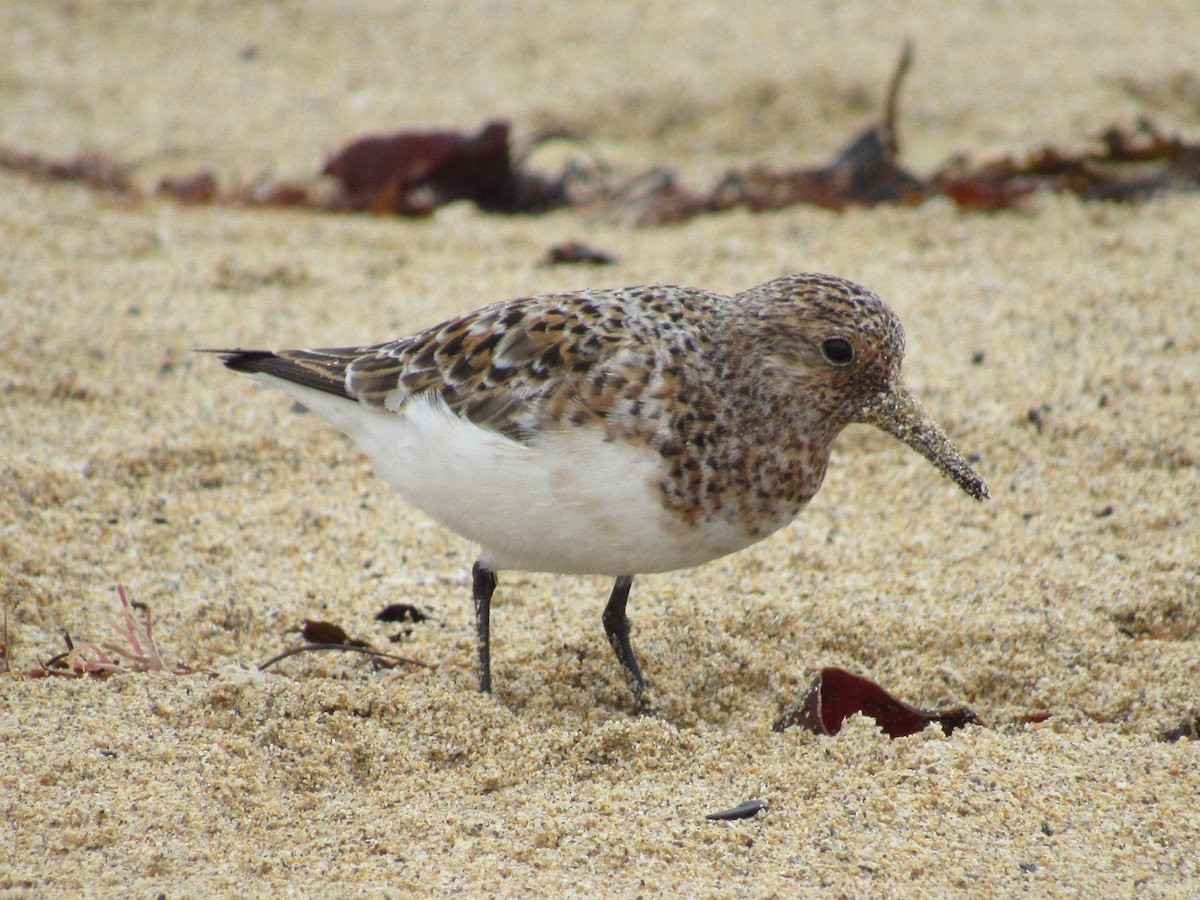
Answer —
838 351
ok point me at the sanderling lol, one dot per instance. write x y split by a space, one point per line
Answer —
618 432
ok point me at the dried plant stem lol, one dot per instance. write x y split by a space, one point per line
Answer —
136 647
348 648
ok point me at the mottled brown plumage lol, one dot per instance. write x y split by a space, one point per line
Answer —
720 412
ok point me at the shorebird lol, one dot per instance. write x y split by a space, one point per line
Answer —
618 432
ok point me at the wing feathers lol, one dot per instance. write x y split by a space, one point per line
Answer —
513 367
324 370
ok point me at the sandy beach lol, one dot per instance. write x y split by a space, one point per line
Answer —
1058 344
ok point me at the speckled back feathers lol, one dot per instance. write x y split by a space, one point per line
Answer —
733 393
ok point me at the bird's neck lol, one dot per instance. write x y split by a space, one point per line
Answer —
774 444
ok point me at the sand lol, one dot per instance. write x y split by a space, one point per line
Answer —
125 458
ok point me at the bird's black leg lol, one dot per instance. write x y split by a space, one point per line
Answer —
616 626
483 584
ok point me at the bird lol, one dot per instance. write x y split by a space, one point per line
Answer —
618 432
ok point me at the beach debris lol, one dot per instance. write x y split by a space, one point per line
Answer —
747 810
95 171
322 636
133 651
414 172
1130 165
199 189
576 253
400 612
1188 729
411 173
657 198
318 632
836 694
865 173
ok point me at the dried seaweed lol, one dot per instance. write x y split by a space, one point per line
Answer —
865 173
324 636
95 171
836 694
133 651
400 612
576 253
318 632
411 173
1130 165
414 172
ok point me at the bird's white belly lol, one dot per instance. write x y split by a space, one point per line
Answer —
570 502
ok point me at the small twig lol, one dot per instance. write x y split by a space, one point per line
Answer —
140 640
348 648
138 648
50 664
891 137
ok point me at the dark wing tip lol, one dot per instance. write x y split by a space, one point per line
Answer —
242 360
312 369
